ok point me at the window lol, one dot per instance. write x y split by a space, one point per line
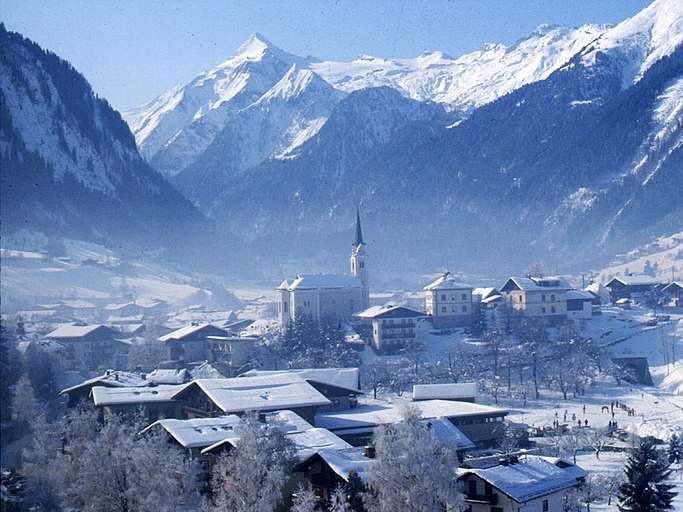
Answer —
520 298
443 309
543 310
552 309
472 487
464 296
545 506
543 297
453 309
362 264
464 309
284 306
443 296
552 298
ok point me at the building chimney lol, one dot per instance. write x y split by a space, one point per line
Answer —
369 451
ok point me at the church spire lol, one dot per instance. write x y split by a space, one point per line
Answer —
359 230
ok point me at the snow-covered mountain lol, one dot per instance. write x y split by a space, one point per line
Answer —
471 80
69 163
274 126
175 128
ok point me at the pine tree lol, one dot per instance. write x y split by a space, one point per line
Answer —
355 489
644 490
675 450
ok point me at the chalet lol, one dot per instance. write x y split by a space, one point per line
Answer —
632 286
448 302
538 297
340 385
459 392
601 294
80 309
674 293
109 379
393 327
90 346
191 343
238 350
529 482
156 401
580 304
212 397
475 422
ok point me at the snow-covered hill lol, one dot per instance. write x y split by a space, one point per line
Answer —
69 163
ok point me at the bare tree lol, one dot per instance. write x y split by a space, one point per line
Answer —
304 501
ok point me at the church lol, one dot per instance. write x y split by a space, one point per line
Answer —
322 296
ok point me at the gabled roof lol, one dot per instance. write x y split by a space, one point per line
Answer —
264 392
168 376
634 280
536 283
193 329
198 432
390 311
346 378
529 478
673 286
446 281
445 391
103 396
315 281
80 331
579 295
485 293
111 378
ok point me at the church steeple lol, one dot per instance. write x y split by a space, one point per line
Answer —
359 230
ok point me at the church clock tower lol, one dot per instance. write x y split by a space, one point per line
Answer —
359 262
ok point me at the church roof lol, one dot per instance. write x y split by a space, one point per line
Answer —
359 231
313 281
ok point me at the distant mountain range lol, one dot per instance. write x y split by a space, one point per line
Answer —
563 148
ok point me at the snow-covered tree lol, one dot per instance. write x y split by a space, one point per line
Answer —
645 489
25 405
675 449
251 477
593 489
304 501
412 470
339 501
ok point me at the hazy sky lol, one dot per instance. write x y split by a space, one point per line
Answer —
133 50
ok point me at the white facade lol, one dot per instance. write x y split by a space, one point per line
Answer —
538 297
449 302
393 327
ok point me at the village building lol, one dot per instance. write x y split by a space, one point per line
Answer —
192 343
448 302
340 385
109 379
478 424
326 296
393 327
580 304
674 293
90 346
264 393
157 401
529 482
459 392
538 297
80 310
601 294
631 286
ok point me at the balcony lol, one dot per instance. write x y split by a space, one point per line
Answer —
404 325
490 499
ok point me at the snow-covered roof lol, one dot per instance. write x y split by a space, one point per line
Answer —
375 412
389 311
538 283
485 292
446 281
344 461
673 285
311 441
445 391
579 295
115 319
78 331
103 396
168 376
117 306
198 432
263 392
531 477
347 378
188 330
449 434
111 378
635 280
313 281
78 304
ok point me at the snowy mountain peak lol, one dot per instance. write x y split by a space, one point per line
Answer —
296 81
643 39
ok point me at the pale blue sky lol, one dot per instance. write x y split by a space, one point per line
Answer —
133 50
